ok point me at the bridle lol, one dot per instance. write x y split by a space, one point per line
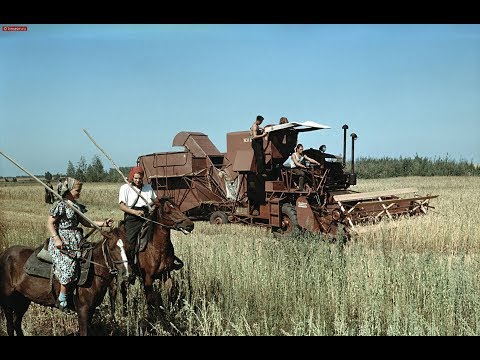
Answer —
175 222
113 270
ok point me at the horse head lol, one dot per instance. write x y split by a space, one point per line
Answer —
114 253
170 216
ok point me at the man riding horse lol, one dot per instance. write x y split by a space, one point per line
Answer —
138 201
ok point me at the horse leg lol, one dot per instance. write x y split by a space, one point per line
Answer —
124 291
91 330
154 304
112 294
21 307
8 311
83 319
169 286
151 299
173 294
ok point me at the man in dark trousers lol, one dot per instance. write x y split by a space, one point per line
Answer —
257 133
135 206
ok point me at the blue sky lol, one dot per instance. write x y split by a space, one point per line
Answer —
404 89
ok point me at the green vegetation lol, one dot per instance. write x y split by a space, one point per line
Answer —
376 168
365 167
412 276
93 172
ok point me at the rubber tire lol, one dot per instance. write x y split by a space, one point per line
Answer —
289 211
218 218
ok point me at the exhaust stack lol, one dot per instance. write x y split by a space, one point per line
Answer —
354 137
345 127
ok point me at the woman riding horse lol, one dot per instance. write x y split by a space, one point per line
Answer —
66 236
18 289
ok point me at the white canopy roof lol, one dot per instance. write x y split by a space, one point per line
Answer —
298 126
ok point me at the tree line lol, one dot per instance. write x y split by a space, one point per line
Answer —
93 172
377 168
365 167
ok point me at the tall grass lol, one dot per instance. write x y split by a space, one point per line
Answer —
412 276
2 232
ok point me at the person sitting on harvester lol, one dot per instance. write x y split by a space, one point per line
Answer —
296 162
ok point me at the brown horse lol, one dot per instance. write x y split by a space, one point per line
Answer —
18 289
158 259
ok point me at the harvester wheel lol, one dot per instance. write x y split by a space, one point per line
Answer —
289 220
218 218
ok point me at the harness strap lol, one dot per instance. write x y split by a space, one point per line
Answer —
138 197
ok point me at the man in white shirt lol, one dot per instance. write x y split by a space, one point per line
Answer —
134 205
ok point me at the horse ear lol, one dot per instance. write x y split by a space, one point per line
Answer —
167 198
170 199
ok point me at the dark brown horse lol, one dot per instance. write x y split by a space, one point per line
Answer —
18 289
158 259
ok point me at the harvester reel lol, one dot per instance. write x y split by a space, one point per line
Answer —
420 206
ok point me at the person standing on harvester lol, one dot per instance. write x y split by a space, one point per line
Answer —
257 133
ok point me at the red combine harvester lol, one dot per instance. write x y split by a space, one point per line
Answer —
223 187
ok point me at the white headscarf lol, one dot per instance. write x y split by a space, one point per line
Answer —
67 185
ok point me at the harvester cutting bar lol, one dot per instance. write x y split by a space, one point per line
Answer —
355 211
393 201
373 195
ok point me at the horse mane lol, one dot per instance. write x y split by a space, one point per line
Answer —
166 198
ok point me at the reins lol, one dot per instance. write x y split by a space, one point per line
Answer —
112 270
159 223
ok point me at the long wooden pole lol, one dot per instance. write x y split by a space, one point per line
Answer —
116 168
68 202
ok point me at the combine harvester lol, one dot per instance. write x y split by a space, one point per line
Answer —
223 187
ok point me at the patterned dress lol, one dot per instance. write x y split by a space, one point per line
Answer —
64 263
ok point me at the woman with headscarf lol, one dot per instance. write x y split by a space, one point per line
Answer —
134 206
66 236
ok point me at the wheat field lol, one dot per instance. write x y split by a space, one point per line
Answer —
411 276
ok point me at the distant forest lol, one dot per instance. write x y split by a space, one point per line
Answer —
365 167
93 172
377 168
